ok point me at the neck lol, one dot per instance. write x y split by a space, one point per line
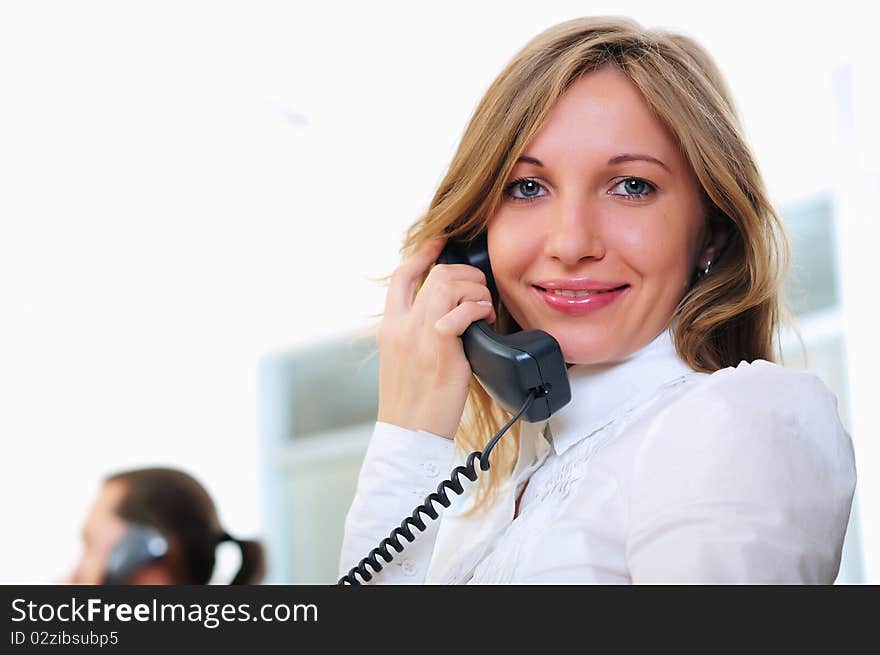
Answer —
568 365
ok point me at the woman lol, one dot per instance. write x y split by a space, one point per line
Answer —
179 509
606 156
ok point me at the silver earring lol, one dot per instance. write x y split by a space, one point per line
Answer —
705 272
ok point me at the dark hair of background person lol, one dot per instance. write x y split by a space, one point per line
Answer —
175 504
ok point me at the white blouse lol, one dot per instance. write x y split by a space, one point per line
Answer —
653 473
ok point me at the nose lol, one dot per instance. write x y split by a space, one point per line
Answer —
574 232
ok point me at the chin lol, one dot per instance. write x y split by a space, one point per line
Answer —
577 350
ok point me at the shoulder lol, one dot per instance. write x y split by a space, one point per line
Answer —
755 394
747 476
757 421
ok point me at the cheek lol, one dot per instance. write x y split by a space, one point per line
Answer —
659 247
93 562
513 247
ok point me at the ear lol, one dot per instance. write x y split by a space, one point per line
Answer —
717 235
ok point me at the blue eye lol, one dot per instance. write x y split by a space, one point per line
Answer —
634 189
527 185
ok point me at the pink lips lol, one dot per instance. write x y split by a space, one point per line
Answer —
579 284
574 306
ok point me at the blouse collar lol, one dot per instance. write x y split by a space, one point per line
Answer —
600 393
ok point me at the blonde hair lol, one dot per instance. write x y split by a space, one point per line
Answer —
724 318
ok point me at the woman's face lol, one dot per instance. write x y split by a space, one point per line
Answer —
101 530
584 216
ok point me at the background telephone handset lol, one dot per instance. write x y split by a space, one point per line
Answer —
510 366
139 545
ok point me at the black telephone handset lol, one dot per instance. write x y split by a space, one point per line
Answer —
524 372
510 366
139 546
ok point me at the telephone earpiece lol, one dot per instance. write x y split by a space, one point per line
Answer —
510 366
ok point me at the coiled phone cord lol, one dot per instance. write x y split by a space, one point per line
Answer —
439 496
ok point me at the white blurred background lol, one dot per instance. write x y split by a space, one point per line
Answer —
187 188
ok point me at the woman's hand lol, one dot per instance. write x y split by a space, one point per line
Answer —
424 376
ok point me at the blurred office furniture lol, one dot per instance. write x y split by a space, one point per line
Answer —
813 292
317 408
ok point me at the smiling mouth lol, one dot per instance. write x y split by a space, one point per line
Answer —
578 294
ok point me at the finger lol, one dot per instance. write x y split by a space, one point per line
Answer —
459 319
459 272
402 287
433 304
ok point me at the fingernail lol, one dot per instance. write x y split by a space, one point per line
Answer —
484 302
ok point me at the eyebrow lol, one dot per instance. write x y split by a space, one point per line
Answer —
619 159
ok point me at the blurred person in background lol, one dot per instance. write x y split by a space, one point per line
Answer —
157 526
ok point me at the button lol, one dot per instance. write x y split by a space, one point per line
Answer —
431 469
408 567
